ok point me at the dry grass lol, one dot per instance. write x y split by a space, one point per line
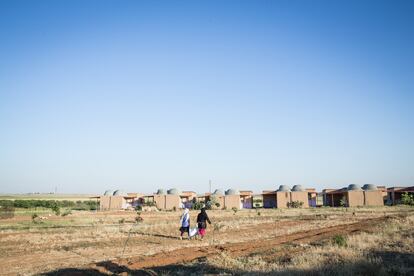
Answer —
388 251
85 237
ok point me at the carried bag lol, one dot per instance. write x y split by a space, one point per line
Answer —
193 231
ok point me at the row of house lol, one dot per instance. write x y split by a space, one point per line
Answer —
283 197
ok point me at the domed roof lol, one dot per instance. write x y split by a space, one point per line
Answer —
108 193
173 191
120 193
297 188
232 192
369 187
353 187
218 192
283 188
160 192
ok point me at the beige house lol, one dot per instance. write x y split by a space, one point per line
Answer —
354 196
284 196
117 200
168 201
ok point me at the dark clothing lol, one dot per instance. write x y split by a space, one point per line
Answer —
185 229
202 218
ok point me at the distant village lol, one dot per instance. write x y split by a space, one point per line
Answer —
284 197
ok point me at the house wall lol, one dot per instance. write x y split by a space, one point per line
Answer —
282 199
160 201
231 201
104 203
112 203
118 203
300 196
373 198
172 201
167 202
355 198
220 199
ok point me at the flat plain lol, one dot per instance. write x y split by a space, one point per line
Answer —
321 241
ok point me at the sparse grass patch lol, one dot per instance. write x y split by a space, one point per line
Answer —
339 240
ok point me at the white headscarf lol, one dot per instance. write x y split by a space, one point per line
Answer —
185 218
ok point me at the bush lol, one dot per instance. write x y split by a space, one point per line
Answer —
149 203
138 218
34 218
138 208
295 204
407 199
343 202
234 209
66 213
121 221
56 210
198 205
212 202
339 240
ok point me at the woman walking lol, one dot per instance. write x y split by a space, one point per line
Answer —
185 223
201 221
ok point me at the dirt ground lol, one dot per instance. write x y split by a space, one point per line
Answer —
112 243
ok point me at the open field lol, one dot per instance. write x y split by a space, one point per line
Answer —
375 240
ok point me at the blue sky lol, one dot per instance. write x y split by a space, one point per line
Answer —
140 95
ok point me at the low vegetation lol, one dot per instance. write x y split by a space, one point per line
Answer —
387 251
51 204
47 242
407 199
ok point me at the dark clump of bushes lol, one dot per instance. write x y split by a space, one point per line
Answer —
295 204
55 205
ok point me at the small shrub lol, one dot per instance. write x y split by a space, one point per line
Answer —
149 203
121 221
138 218
295 204
56 210
35 218
343 202
218 226
407 199
339 240
218 205
138 208
234 209
197 205
66 213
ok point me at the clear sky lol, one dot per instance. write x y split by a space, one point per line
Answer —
140 95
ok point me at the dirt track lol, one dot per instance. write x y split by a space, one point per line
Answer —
184 255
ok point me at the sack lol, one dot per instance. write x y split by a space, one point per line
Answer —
193 231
